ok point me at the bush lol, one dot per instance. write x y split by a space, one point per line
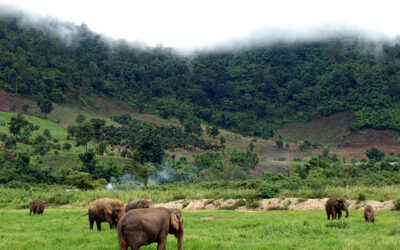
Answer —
239 203
185 204
67 146
252 204
361 197
268 190
396 205
17 184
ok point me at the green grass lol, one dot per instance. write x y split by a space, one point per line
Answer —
56 130
64 229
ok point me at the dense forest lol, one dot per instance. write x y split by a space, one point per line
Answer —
252 92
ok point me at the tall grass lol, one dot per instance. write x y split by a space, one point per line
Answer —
58 195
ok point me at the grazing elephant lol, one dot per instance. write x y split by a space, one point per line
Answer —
369 214
141 227
36 206
335 206
140 203
105 210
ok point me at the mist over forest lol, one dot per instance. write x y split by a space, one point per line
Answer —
252 89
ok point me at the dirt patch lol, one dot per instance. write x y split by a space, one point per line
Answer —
215 218
7 101
271 204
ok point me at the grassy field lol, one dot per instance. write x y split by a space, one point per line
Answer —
64 229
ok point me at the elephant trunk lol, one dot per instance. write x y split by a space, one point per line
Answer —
180 238
347 212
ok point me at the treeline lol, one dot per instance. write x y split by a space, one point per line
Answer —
250 92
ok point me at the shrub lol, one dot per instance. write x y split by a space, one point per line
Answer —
252 204
185 204
17 184
396 205
67 146
268 190
361 197
179 196
279 207
240 203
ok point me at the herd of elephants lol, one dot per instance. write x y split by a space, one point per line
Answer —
139 223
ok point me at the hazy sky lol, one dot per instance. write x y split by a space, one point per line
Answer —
189 24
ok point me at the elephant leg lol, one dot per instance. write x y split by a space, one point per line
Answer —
329 215
110 222
339 214
334 215
134 247
98 224
162 245
91 222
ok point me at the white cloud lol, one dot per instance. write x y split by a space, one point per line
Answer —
188 24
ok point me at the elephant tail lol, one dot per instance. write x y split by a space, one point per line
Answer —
82 216
123 245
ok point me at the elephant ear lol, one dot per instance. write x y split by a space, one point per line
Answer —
114 204
175 220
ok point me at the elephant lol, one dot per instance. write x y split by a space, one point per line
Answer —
139 203
369 214
36 206
335 206
105 210
141 227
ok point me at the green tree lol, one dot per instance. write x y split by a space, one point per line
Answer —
374 154
47 133
150 145
45 106
192 125
214 131
16 124
83 134
279 143
222 140
141 171
80 119
25 107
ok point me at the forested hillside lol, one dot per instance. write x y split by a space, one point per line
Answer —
253 91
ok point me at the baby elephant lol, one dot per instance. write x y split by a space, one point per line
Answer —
140 227
36 206
334 206
105 210
140 203
369 214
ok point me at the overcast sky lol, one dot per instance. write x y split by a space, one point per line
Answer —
189 24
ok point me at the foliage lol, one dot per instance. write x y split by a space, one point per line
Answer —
251 91
149 145
45 106
83 134
268 190
80 118
375 154
16 124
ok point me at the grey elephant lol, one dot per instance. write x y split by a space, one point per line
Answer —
140 227
105 210
334 206
139 203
